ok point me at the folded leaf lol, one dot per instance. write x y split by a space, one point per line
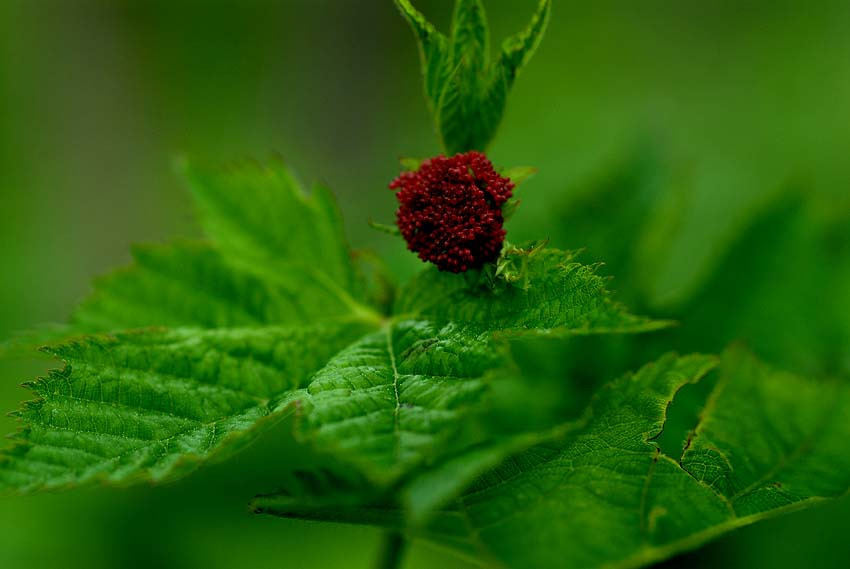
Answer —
155 405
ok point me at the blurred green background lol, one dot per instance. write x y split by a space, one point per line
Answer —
693 115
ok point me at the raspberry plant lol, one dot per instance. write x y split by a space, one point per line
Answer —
432 416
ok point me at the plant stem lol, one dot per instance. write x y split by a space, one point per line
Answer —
392 551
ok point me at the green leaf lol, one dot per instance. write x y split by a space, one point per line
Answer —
190 284
433 49
185 284
767 443
466 93
263 222
470 109
518 50
466 122
396 399
475 93
155 405
470 34
769 440
562 297
510 411
426 494
415 394
469 440
640 396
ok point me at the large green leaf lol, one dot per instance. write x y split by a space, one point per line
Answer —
782 436
604 494
561 296
769 440
156 404
397 399
129 406
405 397
638 396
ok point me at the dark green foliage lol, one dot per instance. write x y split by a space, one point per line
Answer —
492 412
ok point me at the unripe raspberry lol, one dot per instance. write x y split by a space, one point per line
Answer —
450 211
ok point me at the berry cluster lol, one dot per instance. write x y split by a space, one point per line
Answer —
451 211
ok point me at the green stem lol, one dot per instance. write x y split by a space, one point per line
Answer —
392 551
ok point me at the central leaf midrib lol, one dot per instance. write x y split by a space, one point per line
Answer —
397 409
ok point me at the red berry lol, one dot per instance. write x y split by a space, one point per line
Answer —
451 211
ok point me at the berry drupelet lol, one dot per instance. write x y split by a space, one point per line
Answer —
450 211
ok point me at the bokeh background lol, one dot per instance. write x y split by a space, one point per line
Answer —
717 107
